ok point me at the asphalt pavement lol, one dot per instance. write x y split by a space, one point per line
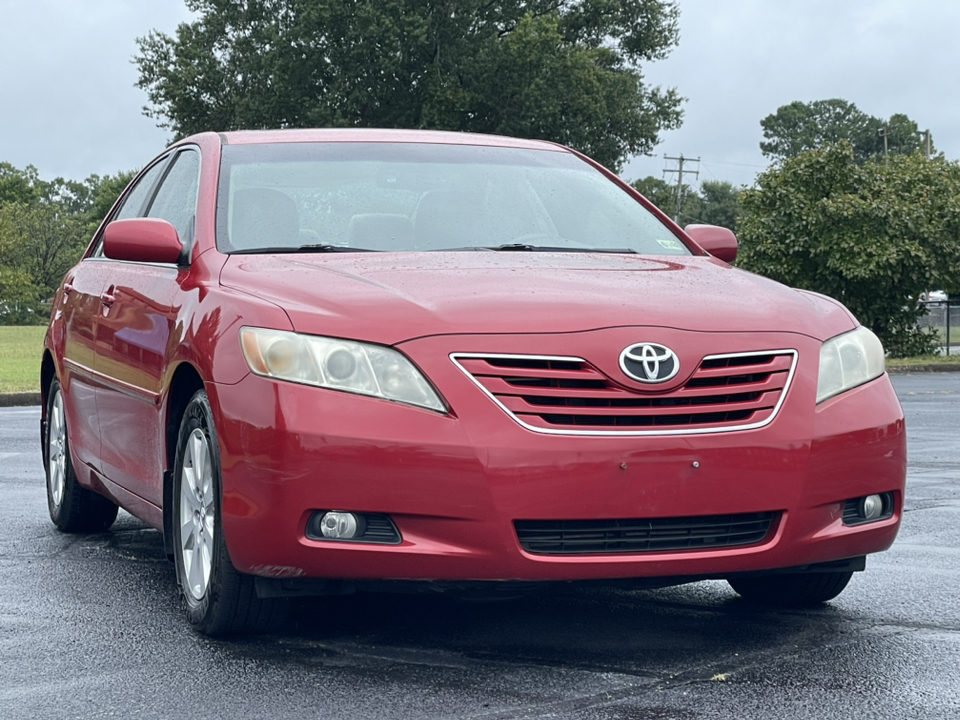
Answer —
92 627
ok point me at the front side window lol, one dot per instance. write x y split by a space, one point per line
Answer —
135 200
176 200
421 197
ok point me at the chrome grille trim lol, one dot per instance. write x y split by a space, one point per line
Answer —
455 357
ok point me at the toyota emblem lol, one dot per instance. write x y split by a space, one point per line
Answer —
649 362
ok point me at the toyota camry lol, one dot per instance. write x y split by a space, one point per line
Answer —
324 360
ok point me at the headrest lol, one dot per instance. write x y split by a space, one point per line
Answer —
262 217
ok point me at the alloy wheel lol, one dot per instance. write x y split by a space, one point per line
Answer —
197 515
56 450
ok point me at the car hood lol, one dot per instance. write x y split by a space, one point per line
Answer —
392 297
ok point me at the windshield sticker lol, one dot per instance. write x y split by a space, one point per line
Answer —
670 243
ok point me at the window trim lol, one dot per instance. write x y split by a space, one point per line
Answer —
186 255
167 160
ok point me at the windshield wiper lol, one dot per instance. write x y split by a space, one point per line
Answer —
320 248
521 247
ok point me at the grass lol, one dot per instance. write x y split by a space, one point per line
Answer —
941 335
20 351
910 362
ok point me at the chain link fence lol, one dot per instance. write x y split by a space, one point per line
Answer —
943 317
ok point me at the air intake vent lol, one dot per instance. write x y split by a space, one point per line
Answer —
604 537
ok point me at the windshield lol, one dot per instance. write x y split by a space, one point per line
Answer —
410 197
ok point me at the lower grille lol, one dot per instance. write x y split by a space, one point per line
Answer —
598 537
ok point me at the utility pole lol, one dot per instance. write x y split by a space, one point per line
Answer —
884 133
929 142
680 171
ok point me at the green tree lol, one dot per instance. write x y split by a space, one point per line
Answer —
798 127
903 137
44 228
18 185
663 194
873 235
562 70
719 203
42 241
18 295
103 193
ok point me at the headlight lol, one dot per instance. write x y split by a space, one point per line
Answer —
849 360
337 364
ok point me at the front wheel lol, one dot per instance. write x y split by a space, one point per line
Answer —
797 590
73 508
220 600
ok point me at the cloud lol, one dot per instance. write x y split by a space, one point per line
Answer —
71 108
70 105
739 60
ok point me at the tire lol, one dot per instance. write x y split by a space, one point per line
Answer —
220 601
73 509
791 590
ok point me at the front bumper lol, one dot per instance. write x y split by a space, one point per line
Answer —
455 484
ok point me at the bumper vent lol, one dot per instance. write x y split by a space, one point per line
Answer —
380 529
570 396
605 537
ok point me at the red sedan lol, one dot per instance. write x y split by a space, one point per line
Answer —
319 360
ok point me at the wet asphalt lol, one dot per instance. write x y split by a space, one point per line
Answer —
92 627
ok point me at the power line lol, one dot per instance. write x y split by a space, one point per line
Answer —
724 162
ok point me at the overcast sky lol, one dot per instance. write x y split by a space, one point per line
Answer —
68 104
739 60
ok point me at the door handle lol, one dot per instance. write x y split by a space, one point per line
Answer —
67 288
108 299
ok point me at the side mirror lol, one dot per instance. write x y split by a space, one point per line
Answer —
142 240
718 241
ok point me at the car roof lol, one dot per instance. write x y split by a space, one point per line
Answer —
257 137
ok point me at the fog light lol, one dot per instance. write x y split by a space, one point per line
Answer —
339 525
871 507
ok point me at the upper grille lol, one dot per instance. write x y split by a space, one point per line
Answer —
568 395
590 537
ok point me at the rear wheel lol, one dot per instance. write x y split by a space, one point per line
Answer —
791 589
73 508
220 600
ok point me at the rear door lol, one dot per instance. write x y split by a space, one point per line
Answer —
76 312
